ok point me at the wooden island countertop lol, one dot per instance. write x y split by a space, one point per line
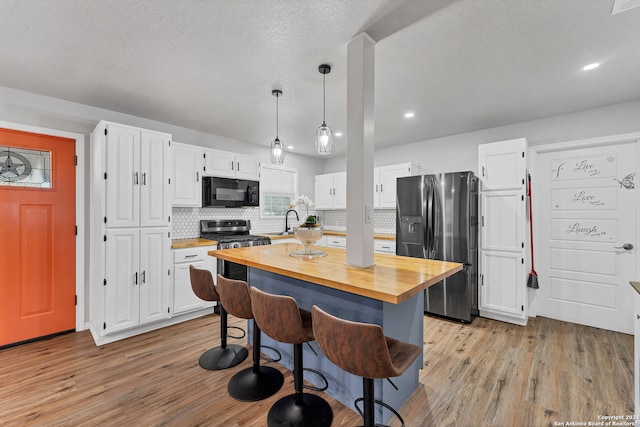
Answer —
392 279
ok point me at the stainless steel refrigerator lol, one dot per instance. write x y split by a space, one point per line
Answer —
437 218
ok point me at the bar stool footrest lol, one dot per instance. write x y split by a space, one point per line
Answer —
381 403
244 333
322 377
269 359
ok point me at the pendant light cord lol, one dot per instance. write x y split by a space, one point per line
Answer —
277 118
324 99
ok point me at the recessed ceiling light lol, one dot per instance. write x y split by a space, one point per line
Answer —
591 66
338 134
409 115
290 147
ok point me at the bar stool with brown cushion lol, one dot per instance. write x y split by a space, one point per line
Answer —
258 382
362 349
226 355
280 318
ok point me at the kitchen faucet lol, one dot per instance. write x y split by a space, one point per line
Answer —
286 219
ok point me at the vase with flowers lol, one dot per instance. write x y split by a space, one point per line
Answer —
309 232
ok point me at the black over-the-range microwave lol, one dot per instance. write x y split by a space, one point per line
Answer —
229 192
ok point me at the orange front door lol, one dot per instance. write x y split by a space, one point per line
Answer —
37 235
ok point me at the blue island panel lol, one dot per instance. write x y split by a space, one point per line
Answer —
402 321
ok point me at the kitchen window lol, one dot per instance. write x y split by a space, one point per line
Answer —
278 186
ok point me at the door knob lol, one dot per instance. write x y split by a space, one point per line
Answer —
626 247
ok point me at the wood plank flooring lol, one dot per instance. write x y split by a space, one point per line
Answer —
485 374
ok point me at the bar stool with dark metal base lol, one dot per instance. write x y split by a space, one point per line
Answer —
226 355
362 349
258 382
280 318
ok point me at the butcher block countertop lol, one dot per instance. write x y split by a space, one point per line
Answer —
191 243
392 279
329 233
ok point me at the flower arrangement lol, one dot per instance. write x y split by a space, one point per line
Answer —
312 220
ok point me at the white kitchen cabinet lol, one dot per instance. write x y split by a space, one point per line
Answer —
336 242
503 278
384 246
187 164
227 164
184 300
283 241
331 191
129 266
136 277
135 176
385 180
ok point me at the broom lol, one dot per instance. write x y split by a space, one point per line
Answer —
533 276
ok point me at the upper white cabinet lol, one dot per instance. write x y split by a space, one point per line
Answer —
187 168
135 176
226 164
331 191
503 177
384 180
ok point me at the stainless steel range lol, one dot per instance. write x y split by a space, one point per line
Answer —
231 233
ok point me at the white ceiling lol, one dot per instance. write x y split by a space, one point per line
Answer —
210 65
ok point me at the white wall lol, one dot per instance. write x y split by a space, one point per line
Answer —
32 109
27 108
460 152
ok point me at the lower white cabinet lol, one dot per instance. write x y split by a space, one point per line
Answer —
384 246
136 281
283 241
497 300
336 242
184 300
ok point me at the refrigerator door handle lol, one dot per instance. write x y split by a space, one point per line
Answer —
436 216
428 241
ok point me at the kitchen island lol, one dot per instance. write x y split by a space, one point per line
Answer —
388 294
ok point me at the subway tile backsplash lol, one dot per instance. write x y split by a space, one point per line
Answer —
185 221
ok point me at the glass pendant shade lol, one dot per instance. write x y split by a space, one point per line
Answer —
277 149
324 139
324 135
277 152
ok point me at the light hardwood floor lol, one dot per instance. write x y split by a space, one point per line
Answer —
484 374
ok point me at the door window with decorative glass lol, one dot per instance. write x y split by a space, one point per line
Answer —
25 168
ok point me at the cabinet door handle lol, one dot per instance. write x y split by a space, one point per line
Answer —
191 256
135 178
197 176
638 316
143 277
144 178
380 187
386 247
232 165
135 281
238 168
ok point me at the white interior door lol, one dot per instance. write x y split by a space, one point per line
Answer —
587 251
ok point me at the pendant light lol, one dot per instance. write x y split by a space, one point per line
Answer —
277 149
324 135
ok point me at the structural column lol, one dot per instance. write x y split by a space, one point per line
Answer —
360 132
